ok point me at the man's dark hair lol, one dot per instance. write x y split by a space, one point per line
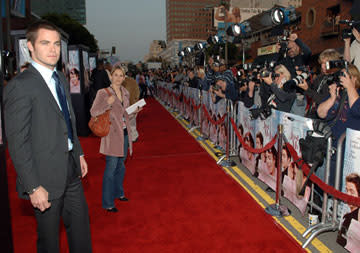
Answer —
32 31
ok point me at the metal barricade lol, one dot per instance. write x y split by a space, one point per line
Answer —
325 225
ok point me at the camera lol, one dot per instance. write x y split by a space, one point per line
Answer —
263 112
346 33
335 78
215 87
351 23
335 65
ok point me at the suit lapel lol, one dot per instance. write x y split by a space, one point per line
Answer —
43 86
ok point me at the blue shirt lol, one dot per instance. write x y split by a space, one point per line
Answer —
46 74
349 118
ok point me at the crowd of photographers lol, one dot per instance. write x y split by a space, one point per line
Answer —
287 83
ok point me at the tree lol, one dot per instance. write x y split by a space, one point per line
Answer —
78 34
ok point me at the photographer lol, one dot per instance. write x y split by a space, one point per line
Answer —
246 87
350 115
283 100
298 54
318 90
346 117
352 52
223 88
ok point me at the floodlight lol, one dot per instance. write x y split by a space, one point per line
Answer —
181 53
233 30
198 46
213 40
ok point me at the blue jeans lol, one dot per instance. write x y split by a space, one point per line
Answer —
114 177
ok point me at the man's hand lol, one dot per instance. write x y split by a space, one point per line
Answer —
40 199
83 166
219 93
293 37
268 80
304 85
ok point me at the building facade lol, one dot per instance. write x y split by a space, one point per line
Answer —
156 47
76 9
189 19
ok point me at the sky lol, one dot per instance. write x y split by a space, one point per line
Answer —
129 25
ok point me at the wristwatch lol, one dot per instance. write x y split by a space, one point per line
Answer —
33 190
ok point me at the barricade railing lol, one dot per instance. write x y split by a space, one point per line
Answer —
228 118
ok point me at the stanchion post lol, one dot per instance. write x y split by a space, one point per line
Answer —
277 209
225 160
200 137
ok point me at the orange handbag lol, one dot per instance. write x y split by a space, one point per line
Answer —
100 125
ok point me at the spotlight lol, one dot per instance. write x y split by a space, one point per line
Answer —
188 50
181 53
213 39
278 16
198 46
233 30
243 29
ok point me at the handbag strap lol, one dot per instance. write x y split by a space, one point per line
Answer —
107 91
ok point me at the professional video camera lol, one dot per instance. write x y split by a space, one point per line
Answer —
347 32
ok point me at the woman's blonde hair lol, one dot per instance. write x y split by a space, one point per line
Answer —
329 54
116 67
283 70
354 72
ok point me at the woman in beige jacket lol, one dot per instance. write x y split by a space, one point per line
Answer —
115 145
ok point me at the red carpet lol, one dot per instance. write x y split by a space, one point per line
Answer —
180 200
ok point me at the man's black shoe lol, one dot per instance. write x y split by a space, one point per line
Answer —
123 199
112 210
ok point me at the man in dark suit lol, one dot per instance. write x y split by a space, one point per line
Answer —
40 127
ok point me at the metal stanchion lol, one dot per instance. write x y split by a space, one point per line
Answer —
325 195
277 209
225 159
200 137
333 225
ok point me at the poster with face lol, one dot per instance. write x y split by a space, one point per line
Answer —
74 72
86 70
295 128
64 58
24 55
92 63
348 235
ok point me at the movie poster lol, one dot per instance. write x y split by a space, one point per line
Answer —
86 70
349 234
74 68
24 55
295 128
64 59
246 128
92 63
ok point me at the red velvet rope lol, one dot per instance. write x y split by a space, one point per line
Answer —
326 188
196 107
186 101
208 116
249 148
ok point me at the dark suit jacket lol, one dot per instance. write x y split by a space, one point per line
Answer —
37 134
